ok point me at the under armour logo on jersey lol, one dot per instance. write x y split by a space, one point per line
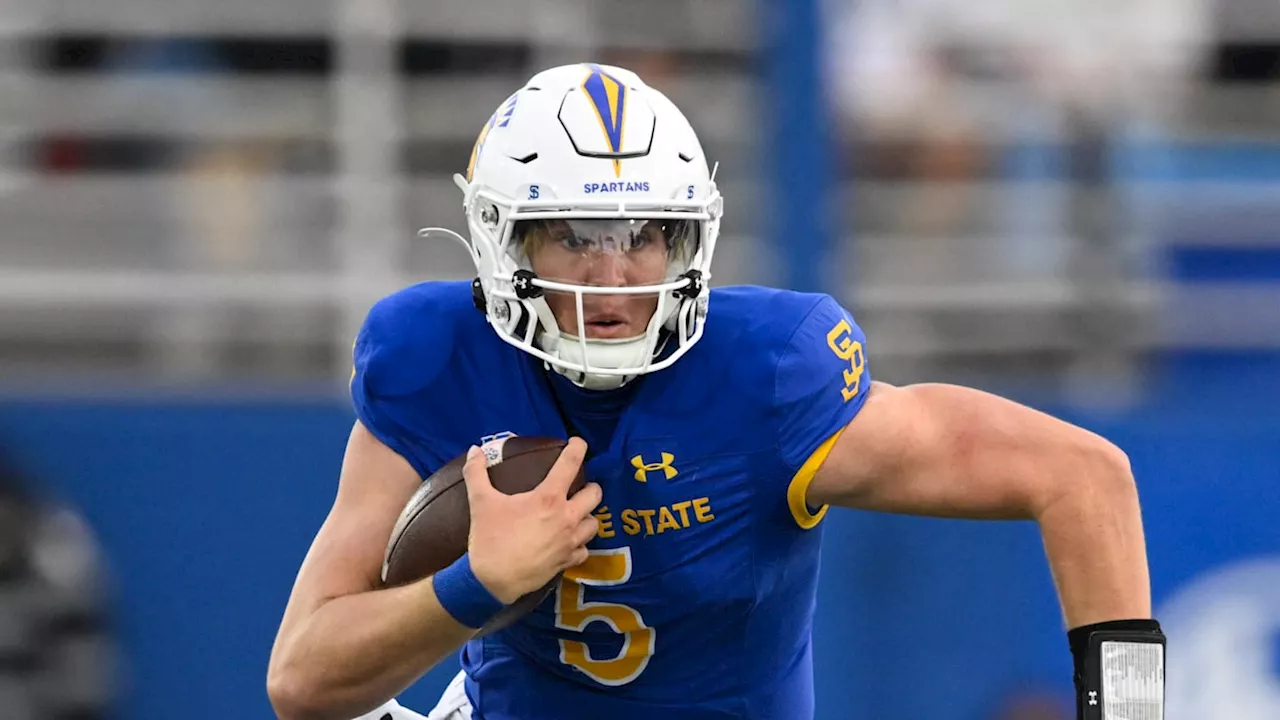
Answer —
643 468
1093 697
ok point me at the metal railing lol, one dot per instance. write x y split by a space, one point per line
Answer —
284 204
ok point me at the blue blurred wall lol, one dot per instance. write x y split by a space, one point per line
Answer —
206 508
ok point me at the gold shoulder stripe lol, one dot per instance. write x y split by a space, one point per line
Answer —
799 487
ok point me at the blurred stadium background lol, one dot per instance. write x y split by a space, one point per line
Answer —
1075 203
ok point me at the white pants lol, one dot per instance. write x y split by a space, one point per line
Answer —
453 705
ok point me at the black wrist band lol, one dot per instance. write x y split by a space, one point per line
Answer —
1128 676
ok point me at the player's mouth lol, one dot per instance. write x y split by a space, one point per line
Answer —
608 326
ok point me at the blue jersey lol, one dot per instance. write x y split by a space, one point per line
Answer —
698 598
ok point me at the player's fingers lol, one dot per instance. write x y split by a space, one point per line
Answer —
586 530
560 476
476 474
577 557
586 500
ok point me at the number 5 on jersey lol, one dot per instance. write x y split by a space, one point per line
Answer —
841 342
602 568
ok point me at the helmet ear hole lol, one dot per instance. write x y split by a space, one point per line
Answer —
477 296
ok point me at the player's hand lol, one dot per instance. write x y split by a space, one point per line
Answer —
518 543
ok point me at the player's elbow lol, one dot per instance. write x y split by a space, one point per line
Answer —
286 695
292 696
1099 476
1113 479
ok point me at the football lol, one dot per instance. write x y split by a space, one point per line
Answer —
432 530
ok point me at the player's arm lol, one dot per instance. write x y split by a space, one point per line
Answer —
949 451
345 647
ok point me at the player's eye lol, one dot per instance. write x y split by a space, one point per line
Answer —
654 233
574 242
639 241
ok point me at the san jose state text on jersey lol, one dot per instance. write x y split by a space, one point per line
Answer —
697 600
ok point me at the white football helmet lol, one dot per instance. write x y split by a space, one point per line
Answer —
591 147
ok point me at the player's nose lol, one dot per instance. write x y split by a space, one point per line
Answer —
607 269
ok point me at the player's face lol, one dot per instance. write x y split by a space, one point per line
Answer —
602 253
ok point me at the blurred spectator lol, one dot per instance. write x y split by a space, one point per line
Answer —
57 657
891 58
983 140
932 88
657 66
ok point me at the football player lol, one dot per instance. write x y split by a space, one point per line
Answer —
716 427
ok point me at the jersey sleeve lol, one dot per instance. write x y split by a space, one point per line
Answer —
395 360
821 383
